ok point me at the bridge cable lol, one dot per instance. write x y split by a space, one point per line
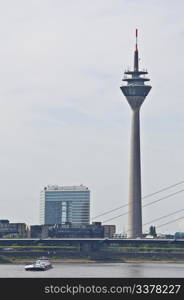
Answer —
155 201
168 215
144 197
170 222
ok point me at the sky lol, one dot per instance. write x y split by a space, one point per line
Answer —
63 118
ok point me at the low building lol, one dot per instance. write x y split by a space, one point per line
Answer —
109 230
94 230
38 231
179 235
8 229
67 230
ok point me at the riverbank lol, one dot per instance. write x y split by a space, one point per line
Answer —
92 251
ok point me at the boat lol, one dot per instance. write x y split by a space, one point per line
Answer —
42 264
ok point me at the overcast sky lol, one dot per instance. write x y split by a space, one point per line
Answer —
63 118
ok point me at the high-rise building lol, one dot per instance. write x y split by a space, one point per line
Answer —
65 204
135 92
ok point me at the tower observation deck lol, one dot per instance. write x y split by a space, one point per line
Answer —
135 92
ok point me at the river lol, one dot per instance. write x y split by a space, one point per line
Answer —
110 270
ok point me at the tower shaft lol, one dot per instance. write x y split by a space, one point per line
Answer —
134 201
135 92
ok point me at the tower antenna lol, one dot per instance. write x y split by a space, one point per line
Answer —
136 36
136 54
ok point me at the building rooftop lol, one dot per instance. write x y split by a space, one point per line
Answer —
66 188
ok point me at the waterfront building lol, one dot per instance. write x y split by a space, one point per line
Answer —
8 229
38 231
61 204
68 230
179 235
94 230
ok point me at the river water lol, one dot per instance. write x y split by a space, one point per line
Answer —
77 270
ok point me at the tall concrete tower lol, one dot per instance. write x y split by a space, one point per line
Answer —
135 92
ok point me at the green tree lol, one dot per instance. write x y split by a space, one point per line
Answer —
152 231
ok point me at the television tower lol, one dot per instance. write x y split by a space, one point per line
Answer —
135 92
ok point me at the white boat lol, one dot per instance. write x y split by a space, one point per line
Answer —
42 264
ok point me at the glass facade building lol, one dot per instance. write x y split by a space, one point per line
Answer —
61 204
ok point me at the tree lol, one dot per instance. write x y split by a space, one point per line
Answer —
152 231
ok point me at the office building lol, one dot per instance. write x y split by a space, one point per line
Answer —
62 204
